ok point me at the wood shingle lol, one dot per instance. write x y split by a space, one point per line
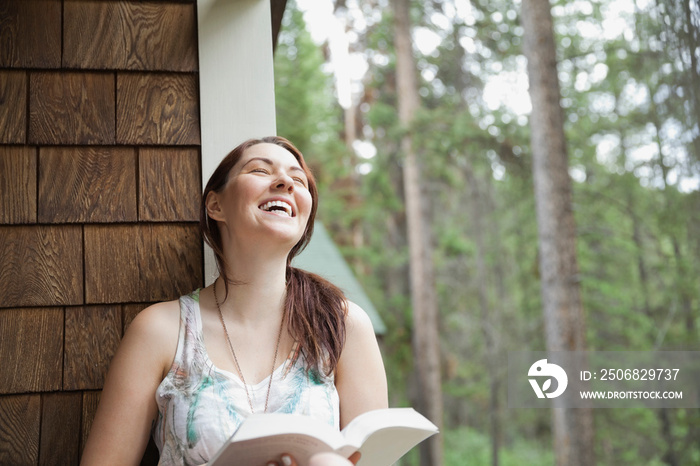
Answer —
31 349
30 34
92 336
41 265
169 184
98 184
157 109
13 107
71 108
129 36
17 184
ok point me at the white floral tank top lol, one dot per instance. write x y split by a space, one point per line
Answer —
200 406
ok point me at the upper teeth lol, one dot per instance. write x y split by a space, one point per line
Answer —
283 205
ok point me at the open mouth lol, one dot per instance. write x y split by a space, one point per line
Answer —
278 207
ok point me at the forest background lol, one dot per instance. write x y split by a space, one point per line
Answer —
630 92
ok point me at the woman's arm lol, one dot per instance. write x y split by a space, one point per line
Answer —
360 377
127 408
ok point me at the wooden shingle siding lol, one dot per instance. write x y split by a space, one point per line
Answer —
99 202
130 36
30 33
169 182
141 263
90 401
92 336
155 108
13 106
20 418
17 184
31 349
60 429
98 184
41 265
71 108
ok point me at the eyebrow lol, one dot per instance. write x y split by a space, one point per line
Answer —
269 162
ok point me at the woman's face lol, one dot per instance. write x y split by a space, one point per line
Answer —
266 194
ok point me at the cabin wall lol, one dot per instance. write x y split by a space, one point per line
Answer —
100 181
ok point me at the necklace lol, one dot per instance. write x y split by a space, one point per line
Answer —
235 359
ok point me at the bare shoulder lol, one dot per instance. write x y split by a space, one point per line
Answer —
357 319
156 328
359 331
157 321
165 313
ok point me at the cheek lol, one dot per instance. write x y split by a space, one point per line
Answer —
305 203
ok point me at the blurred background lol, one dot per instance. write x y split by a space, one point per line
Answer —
443 166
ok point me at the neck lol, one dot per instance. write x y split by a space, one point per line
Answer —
258 289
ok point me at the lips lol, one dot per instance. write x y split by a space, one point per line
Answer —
278 206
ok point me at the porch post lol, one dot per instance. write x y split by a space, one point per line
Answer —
236 82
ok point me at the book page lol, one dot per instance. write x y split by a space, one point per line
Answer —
384 436
265 437
367 423
261 425
387 434
385 447
260 451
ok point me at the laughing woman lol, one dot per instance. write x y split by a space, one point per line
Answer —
264 337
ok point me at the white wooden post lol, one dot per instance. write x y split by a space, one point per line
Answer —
236 82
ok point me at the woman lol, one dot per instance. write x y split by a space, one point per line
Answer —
264 337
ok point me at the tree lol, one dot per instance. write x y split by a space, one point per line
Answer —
626 102
560 289
426 342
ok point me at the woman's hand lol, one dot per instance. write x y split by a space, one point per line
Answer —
320 459
333 459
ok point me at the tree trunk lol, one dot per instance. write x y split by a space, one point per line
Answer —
488 329
426 343
690 40
563 312
670 457
669 201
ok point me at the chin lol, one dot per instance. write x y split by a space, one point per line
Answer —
283 236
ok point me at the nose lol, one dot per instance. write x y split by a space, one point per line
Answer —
285 182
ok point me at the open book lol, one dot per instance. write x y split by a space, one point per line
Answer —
382 436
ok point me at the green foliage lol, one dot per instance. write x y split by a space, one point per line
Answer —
303 92
631 105
469 447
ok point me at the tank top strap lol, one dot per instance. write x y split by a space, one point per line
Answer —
190 353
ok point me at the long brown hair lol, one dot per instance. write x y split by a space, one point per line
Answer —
315 308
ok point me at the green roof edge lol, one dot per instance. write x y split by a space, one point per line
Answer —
323 257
